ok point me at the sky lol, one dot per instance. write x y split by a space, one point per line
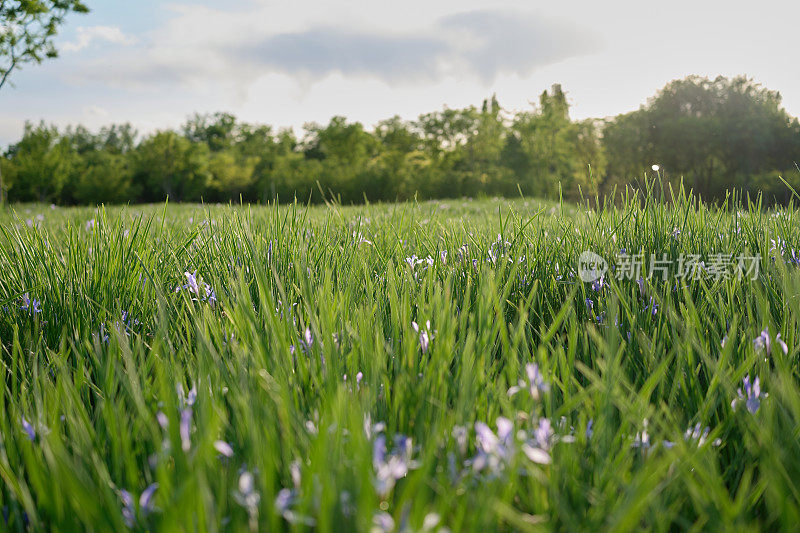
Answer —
287 63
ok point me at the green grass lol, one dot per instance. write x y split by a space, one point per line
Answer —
93 386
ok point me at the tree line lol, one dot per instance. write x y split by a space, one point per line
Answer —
713 135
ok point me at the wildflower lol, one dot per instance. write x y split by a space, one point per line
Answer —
33 307
194 286
699 436
185 429
652 307
589 429
128 509
642 438
371 429
396 466
656 168
443 256
307 340
536 384
764 343
162 419
191 282
589 304
90 224
382 522
102 335
248 497
493 450
751 395
186 400
537 449
430 521
27 427
146 499
358 238
598 284
460 436
223 448
284 500
425 335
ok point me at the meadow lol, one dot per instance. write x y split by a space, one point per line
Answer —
434 366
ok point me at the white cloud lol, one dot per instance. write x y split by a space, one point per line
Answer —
87 35
200 46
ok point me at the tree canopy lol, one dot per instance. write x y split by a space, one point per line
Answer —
711 134
27 31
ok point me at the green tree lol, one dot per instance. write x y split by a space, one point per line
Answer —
230 175
344 151
714 134
218 131
105 177
42 163
27 30
168 164
548 150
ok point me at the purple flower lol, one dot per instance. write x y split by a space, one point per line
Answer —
186 400
538 448
128 509
223 448
494 450
751 395
191 282
599 284
392 466
308 340
163 421
536 385
652 307
382 522
642 438
185 429
146 499
248 497
33 307
28 429
699 435
193 286
425 335
764 343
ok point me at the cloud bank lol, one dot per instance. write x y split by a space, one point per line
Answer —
481 43
476 44
108 34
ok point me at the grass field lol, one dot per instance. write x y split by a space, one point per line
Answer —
411 367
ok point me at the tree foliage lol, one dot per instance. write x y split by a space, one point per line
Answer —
27 31
712 134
